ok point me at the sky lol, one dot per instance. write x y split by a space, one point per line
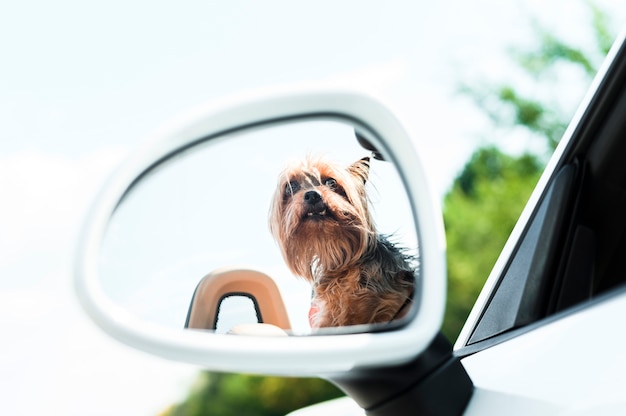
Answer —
82 85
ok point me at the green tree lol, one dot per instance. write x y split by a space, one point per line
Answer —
480 212
488 195
227 394
533 98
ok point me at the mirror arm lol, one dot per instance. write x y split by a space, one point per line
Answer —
433 383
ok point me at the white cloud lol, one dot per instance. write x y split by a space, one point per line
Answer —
52 359
44 199
56 362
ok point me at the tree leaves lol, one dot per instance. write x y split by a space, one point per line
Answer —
227 394
480 212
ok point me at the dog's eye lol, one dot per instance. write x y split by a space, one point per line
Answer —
291 188
331 183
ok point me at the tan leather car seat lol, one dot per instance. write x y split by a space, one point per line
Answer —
221 283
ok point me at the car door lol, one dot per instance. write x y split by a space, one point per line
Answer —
545 336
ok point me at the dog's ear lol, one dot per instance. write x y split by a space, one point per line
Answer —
360 169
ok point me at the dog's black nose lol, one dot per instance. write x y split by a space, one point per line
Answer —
312 197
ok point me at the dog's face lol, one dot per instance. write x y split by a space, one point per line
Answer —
319 214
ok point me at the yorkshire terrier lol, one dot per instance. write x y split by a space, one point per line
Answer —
320 218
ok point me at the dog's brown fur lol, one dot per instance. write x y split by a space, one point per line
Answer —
320 219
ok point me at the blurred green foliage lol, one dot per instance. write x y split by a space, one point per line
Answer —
479 213
480 210
227 394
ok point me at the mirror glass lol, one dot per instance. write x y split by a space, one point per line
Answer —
205 211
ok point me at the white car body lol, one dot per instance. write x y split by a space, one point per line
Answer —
572 366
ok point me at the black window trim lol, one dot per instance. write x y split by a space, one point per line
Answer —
514 333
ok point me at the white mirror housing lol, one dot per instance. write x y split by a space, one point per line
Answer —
292 355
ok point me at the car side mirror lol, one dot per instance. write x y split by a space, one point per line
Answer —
196 199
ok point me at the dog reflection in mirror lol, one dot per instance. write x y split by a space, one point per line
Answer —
320 219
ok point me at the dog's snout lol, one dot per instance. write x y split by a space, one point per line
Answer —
312 197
